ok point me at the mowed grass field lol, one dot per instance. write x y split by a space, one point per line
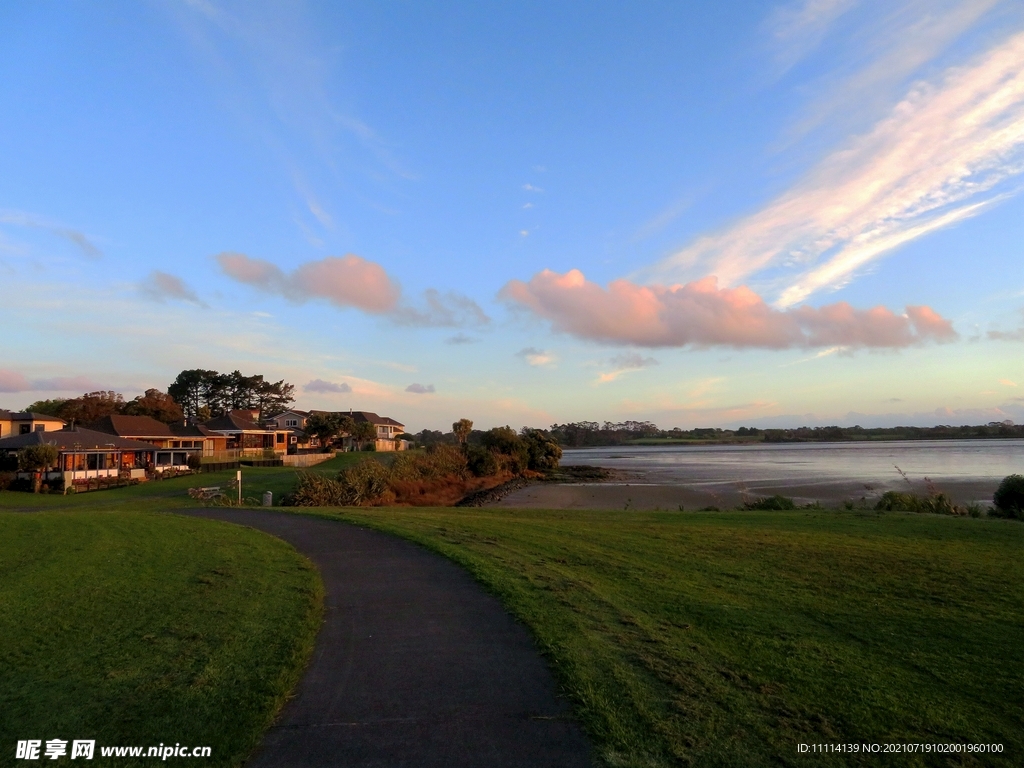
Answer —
136 628
727 639
684 639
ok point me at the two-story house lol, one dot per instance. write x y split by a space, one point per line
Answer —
14 423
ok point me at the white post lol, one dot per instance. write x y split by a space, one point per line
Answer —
239 487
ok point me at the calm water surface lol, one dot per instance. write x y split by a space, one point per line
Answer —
808 464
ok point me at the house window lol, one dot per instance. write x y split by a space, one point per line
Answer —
24 429
280 438
292 423
40 427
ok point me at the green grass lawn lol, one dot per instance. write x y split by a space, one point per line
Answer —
703 639
726 639
138 628
351 458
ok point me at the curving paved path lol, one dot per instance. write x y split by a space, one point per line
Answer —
415 664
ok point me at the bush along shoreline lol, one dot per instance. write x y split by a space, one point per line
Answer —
443 475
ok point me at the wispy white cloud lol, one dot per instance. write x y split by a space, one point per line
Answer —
442 310
532 188
460 338
1015 335
325 387
536 357
162 286
893 40
74 236
663 218
625 363
272 66
420 389
940 157
798 28
817 356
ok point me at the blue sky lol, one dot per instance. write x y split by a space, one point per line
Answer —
708 214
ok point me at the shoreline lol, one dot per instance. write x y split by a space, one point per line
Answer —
626 490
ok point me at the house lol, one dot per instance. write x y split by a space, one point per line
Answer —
180 439
294 423
293 419
84 454
245 435
24 422
387 429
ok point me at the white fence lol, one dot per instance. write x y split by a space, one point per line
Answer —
307 459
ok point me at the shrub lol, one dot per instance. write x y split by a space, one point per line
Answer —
6 478
367 483
505 441
315 490
894 501
775 503
194 461
543 451
936 504
37 457
482 461
1009 497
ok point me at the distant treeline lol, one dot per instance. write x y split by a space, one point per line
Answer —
941 432
581 434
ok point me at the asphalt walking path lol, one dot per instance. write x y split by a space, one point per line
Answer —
415 664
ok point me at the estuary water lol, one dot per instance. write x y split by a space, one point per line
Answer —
668 476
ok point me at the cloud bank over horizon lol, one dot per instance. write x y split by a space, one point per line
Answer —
703 315
12 382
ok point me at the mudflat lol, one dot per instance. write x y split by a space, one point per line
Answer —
724 476
637 493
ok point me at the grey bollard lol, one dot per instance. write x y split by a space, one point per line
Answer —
268 498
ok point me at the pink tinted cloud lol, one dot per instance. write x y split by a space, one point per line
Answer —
12 381
345 281
702 314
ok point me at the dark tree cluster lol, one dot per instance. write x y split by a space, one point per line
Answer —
203 394
328 427
93 406
587 433
993 429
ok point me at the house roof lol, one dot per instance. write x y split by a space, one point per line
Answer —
369 416
132 426
74 438
296 411
193 430
234 421
374 419
27 416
